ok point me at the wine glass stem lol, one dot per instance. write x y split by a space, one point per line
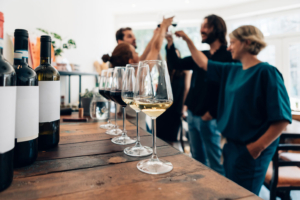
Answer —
116 115
137 129
124 119
154 156
108 121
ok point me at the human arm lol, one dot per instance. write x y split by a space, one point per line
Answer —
148 47
158 39
174 62
273 132
278 109
199 57
187 84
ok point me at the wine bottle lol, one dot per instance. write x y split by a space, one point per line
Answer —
27 113
8 93
49 98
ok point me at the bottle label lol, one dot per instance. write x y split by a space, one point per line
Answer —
7 118
49 101
19 54
27 113
1 43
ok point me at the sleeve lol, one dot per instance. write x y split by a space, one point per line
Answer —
175 62
216 69
277 99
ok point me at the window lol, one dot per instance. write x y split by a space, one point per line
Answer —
288 23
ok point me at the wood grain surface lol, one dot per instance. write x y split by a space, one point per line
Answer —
87 165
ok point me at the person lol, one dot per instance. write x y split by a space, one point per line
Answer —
123 54
169 122
253 106
126 35
204 138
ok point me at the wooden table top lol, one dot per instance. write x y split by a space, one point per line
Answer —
87 165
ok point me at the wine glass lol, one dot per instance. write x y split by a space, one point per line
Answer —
168 14
129 80
153 95
108 125
109 76
115 94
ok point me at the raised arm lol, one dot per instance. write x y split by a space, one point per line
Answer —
158 39
174 62
148 47
197 56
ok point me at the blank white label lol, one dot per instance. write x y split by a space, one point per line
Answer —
49 101
7 118
27 117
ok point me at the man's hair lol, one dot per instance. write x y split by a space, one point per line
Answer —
219 27
120 34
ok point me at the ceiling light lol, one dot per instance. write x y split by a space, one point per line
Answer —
133 5
187 1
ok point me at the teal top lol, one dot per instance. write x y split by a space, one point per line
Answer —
250 100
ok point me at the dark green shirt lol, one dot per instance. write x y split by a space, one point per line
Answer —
249 100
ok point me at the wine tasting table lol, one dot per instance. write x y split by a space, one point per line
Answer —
87 165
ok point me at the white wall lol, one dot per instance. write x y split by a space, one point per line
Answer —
195 17
87 22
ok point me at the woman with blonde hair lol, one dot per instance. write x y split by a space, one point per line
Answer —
253 106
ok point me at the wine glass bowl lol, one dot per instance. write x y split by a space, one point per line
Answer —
102 84
129 82
115 94
108 83
153 96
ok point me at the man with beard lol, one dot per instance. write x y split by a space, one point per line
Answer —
202 99
127 35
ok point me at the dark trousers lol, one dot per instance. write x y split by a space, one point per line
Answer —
241 168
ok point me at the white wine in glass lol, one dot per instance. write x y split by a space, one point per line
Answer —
129 82
153 96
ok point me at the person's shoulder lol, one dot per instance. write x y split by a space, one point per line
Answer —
269 70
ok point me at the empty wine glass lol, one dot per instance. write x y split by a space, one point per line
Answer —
129 80
153 95
108 125
115 94
109 77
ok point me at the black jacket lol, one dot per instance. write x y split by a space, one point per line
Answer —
203 95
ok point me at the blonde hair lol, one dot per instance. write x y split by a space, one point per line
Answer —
251 33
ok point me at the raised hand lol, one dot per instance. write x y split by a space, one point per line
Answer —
181 34
167 22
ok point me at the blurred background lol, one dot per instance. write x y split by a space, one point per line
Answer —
92 25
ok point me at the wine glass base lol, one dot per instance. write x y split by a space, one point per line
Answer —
114 132
138 151
158 166
107 126
123 140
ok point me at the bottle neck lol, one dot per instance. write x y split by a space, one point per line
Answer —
45 60
45 53
21 50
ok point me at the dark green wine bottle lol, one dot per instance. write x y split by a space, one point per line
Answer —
8 93
27 106
49 98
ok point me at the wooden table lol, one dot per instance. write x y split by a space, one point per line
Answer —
87 165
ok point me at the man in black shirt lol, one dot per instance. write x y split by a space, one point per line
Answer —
202 99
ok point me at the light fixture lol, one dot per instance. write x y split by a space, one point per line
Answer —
133 5
187 1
